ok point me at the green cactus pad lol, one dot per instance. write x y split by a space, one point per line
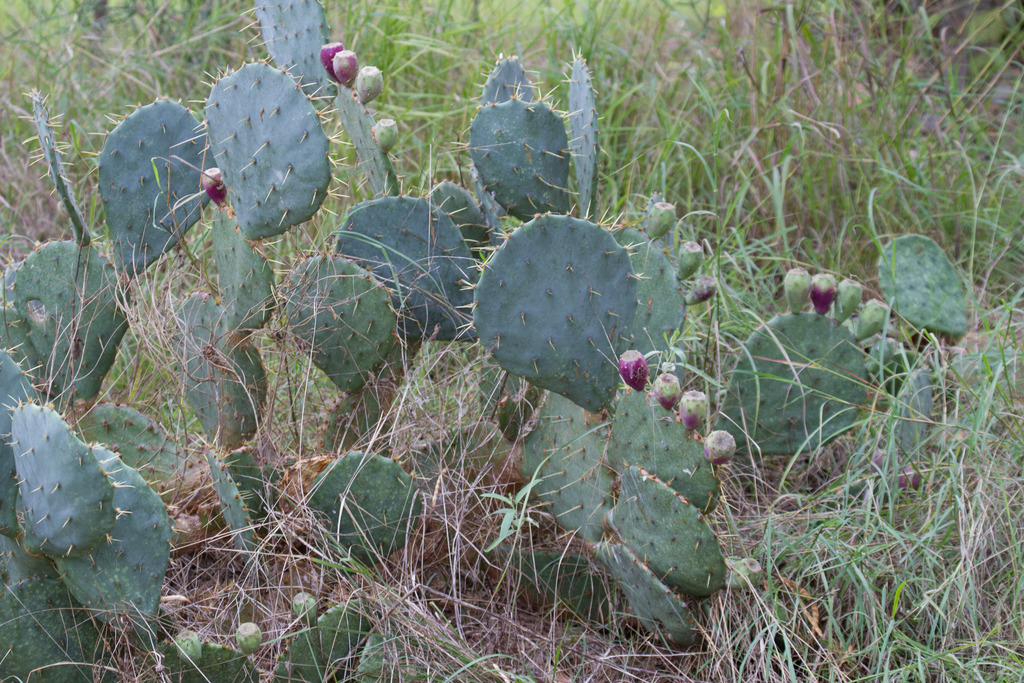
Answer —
661 301
583 140
522 153
55 165
15 387
922 285
342 317
217 664
568 580
317 653
507 81
293 33
232 507
668 534
915 410
551 306
370 159
66 496
123 577
656 605
251 478
416 251
149 182
508 399
564 458
225 381
368 502
245 277
62 312
647 435
350 419
267 140
458 203
17 565
798 384
46 636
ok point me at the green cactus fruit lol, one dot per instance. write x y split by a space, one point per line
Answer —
564 459
271 148
693 407
323 652
563 580
667 391
16 564
149 178
508 399
385 132
66 497
658 608
15 388
55 165
370 158
552 304
417 252
667 533
232 506
368 503
460 206
248 637
872 318
507 81
63 314
796 285
190 645
294 33
244 276
584 139
351 419
304 607
847 299
691 257
46 635
744 573
798 383
369 84
342 318
719 447
225 381
923 286
122 578
216 664
644 435
660 218
521 152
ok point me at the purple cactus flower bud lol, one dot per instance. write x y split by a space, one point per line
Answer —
909 479
633 368
385 132
823 292
369 84
327 53
346 67
796 285
249 638
667 390
872 318
693 408
704 287
719 447
190 644
212 181
662 216
691 255
848 299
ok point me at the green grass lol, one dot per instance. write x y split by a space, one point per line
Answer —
801 134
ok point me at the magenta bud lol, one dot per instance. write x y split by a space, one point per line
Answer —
327 53
719 447
345 67
667 390
704 288
212 181
796 284
692 409
633 368
823 292
369 84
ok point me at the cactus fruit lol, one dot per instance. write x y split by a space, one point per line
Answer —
847 299
215 664
719 447
704 287
385 132
744 572
294 33
823 292
212 182
324 651
796 286
345 67
666 390
633 370
190 645
327 53
693 407
872 318
660 218
304 607
248 637
691 256
923 286
369 84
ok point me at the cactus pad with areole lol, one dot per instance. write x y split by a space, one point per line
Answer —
245 277
15 387
370 158
922 285
232 507
215 664
461 207
293 33
583 141
55 165
314 654
506 81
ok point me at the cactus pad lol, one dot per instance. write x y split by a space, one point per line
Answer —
373 161
216 664
350 419
15 388
245 277
232 507
922 285
316 653
583 141
17 565
507 81
460 206
552 303
267 140
55 165
798 384
416 251
149 182
565 458
522 153
566 580
508 399
294 32
342 317
645 434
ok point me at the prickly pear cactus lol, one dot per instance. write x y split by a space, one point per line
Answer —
370 158
55 165
15 387
244 276
507 80
149 175
922 285
17 565
215 664
314 654
552 303
508 400
293 33
271 148
583 140
350 419
460 206
233 509
561 579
